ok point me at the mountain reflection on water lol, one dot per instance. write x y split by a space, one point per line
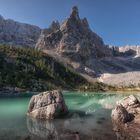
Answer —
89 119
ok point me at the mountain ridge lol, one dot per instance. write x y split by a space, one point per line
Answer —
17 33
58 24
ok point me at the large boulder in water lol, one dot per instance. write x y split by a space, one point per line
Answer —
47 105
126 118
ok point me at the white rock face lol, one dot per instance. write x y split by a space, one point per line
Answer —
47 105
18 34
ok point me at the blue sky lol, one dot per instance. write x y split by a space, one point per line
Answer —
116 21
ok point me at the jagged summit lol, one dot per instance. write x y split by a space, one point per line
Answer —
73 39
74 12
55 25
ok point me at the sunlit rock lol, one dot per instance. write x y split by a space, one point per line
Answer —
126 118
120 114
131 103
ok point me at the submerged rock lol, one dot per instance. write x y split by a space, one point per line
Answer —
126 118
47 105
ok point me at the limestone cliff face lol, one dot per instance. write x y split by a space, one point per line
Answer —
73 39
18 34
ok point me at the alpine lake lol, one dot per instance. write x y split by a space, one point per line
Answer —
90 118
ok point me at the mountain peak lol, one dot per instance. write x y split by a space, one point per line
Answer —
74 12
74 39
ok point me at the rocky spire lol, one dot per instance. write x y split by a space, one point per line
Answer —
74 38
85 23
74 12
54 25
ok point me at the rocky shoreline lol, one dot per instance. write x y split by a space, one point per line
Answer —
15 92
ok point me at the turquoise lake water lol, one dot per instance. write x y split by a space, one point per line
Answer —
90 118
